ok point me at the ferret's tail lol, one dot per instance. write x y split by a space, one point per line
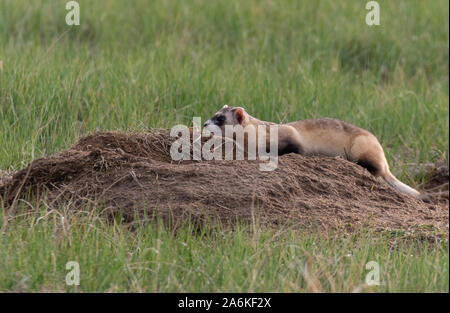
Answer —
404 188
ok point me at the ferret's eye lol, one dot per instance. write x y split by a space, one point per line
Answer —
221 118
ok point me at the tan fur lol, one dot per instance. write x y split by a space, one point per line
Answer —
329 137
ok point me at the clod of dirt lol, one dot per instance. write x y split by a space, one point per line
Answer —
4 178
134 173
437 183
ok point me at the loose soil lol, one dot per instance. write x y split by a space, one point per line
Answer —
132 174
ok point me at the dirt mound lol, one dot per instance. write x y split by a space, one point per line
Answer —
134 173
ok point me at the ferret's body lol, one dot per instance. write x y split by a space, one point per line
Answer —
322 136
331 137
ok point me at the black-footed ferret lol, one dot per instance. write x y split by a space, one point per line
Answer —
321 136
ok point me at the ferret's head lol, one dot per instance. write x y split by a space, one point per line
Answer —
226 116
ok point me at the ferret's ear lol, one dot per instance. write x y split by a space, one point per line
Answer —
239 114
225 106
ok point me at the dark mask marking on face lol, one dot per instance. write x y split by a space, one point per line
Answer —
219 120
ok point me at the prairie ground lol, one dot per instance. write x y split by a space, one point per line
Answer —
146 64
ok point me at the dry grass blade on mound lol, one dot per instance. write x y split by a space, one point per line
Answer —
134 172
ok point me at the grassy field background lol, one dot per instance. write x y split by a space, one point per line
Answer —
139 64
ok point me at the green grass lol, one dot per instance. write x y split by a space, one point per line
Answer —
159 63
152 257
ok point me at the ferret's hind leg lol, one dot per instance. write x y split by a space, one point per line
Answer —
369 154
